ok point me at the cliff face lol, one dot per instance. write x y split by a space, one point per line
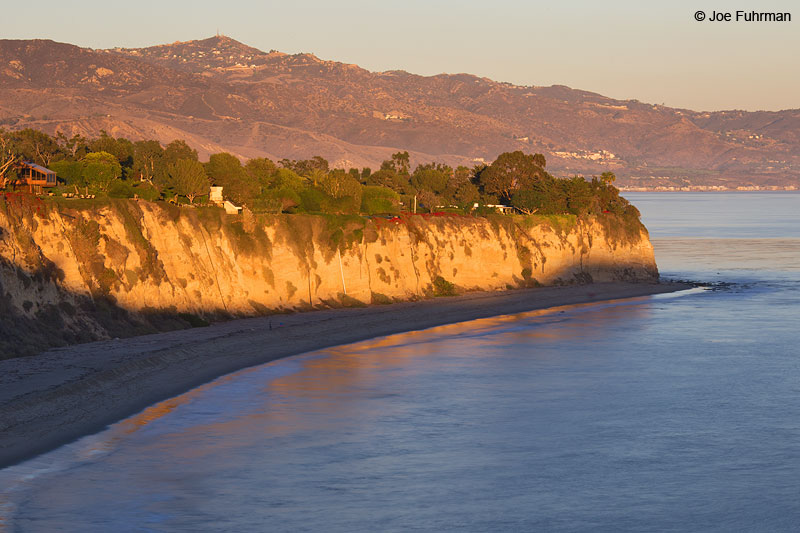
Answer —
71 275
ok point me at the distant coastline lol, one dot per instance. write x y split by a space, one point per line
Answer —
709 188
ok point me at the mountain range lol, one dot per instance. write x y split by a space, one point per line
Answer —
221 95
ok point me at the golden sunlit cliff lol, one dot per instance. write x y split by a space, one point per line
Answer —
126 267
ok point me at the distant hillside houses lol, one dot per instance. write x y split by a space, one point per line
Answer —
602 155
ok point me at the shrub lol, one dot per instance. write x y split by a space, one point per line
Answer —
311 200
442 287
120 189
380 299
277 200
146 191
376 200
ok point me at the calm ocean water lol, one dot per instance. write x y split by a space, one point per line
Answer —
670 413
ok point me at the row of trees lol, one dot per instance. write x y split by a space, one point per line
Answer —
119 167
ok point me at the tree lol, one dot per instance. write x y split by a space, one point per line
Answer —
510 172
178 149
120 148
345 188
76 146
285 178
608 177
100 169
305 167
466 195
375 200
36 146
188 178
459 177
430 178
148 160
579 195
400 163
383 178
316 176
8 158
400 183
338 184
545 196
226 170
278 200
70 171
428 199
260 170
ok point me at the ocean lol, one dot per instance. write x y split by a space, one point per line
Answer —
676 412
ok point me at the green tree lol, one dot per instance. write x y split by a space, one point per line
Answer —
285 178
459 177
178 149
188 178
375 200
431 178
278 200
579 195
75 147
226 170
148 160
382 178
608 177
466 195
345 189
36 146
305 167
545 196
121 189
69 171
100 169
120 148
400 163
400 183
509 173
261 170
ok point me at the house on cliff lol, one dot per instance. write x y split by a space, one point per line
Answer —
216 198
35 177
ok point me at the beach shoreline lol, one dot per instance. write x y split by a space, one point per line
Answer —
63 394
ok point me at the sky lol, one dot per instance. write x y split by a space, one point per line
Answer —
655 52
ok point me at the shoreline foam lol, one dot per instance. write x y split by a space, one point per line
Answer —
63 394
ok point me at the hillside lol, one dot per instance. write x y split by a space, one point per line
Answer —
220 94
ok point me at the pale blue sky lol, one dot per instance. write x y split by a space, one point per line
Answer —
652 51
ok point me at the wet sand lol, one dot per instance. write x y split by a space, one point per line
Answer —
60 395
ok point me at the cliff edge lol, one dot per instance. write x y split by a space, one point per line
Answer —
72 273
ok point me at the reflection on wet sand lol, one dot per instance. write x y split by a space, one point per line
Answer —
335 382
335 385
153 413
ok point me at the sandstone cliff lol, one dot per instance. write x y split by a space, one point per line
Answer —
70 274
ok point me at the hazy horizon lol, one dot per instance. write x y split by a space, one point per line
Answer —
655 54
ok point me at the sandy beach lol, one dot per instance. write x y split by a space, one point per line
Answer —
63 394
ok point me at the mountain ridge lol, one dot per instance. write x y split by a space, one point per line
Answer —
221 94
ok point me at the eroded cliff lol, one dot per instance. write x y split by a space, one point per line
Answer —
70 274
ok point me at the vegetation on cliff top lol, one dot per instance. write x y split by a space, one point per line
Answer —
119 168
